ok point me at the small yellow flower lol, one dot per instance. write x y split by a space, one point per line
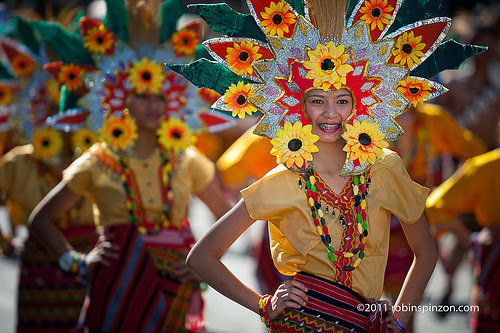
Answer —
119 132
327 66
294 144
23 65
99 39
241 56
376 13
47 142
276 19
416 91
83 138
364 141
408 49
71 76
174 135
5 95
146 76
184 42
237 97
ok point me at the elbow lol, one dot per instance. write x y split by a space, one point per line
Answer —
192 260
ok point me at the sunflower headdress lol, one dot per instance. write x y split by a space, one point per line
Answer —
383 51
127 54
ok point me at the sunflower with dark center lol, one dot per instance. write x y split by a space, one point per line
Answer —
146 76
294 145
416 90
47 142
185 42
70 75
241 56
99 39
119 132
408 49
277 18
174 135
376 13
23 65
364 141
83 138
236 99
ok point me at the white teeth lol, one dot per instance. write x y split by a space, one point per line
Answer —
328 127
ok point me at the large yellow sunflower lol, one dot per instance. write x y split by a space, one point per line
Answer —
146 76
276 19
236 98
83 138
241 56
71 76
174 135
99 39
376 13
408 49
23 65
364 141
5 95
119 132
415 90
47 142
327 66
184 42
294 144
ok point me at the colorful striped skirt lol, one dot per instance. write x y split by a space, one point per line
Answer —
136 293
49 299
331 307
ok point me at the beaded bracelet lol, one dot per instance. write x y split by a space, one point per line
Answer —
400 326
263 304
78 266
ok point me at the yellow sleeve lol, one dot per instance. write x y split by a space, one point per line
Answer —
201 170
78 176
395 191
269 197
15 163
7 172
457 195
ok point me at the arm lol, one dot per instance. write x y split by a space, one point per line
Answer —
214 198
422 244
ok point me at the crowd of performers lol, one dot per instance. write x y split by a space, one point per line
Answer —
291 116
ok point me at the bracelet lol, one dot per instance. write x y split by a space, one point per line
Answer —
263 304
400 326
66 260
79 266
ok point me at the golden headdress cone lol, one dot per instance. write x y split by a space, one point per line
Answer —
329 17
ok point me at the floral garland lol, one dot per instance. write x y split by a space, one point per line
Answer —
352 220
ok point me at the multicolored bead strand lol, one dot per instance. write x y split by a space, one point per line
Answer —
357 191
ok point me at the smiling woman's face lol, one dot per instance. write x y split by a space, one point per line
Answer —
327 111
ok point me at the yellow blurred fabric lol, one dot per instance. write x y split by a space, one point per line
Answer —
87 177
295 245
474 187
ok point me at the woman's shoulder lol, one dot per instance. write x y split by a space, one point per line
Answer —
391 162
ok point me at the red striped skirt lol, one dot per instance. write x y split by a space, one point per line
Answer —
136 293
331 307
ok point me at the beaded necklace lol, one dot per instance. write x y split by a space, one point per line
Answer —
134 201
352 220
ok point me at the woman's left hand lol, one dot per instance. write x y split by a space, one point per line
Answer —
389 320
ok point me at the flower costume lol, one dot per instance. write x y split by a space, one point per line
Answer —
48 298
371 51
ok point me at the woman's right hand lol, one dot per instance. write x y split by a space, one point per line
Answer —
291 294
101 254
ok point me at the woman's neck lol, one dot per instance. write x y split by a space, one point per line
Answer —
330 158
145 144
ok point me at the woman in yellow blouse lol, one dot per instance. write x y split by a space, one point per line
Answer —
139 177
329 202
473 188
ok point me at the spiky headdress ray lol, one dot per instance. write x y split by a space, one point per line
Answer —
385 54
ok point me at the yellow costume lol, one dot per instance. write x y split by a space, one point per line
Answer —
295 245
86 176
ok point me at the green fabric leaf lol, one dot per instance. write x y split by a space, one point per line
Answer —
169 14
116 18
414 10
68 46
223 19
448 55
23 31
4 73
208 74
350 7
298 5
68 99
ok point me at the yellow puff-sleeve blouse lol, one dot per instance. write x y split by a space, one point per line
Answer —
473 188
295 244
90 177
